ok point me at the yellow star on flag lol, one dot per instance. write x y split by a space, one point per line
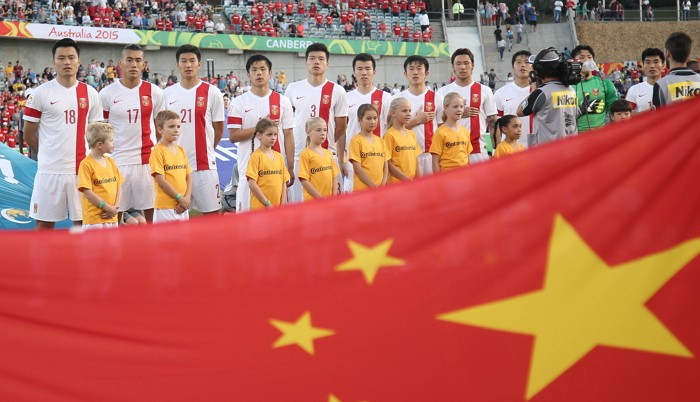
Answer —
369 260
333 398
585 303
299 333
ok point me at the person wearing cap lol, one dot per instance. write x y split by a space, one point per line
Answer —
553 103
592 88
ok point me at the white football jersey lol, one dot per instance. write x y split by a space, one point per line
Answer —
416 103
198 108
507 99
327 101
382 101
640 95
247 110
63 115
475 93
132 113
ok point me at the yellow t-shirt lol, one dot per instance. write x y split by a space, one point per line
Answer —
403 151
104 181
452 146
270 174
505 148
175 168
319 171
372 156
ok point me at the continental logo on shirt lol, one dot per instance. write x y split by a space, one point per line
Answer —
449 144
370 154
683 90
99 182
405 148
320 169
174 167
564 99
262 173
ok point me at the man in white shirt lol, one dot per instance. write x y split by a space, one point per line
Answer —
640 95
509 96
246 110
317 97
480 108
557 11
130 105
58 112
424 21
201 109
364 68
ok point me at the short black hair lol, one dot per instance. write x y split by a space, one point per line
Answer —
679 45
364 57
256 58
317 47
461 51
518 54
653 51
578 49
65 42
620 105
416 59
188 49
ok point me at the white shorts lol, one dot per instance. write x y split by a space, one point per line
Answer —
478 158
294 193
348 181
138 191
242 195
169 215
205 191
110 225
55 197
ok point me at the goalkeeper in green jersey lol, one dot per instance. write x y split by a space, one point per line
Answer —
595 95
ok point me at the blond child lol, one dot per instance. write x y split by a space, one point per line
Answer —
318 171
368 153
267 173
512 128
401 143
451 145
99 179
171 171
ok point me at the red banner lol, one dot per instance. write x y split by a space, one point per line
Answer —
568 272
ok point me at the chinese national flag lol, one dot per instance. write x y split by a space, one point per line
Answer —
569 272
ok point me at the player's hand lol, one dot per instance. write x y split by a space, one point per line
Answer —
423 116
291 177
595 106
470 111
343 170
276 122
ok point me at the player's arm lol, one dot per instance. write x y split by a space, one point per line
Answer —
362 174
289 153
421 117
240 134
218 131
436 163
30 129
341 125
610 95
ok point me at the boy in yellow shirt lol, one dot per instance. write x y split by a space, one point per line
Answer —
99 179
171 171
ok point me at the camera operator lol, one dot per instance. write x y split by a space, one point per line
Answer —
554 101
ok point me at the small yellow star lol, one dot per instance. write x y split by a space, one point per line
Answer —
585 303
370 259
299 333
333 398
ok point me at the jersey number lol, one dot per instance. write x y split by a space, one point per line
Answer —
133 113
313 110
70 116
186 116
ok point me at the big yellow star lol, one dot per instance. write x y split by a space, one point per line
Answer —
585 303
299 333
369 259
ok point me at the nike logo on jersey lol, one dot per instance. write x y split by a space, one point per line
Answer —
248 110
508 100
53 103
118 100
299 97
351 106
640 95
170 103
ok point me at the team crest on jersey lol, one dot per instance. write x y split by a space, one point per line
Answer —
82 103
145 100
200 101
596 91
274 111
376 104
475 98
326 99
428 106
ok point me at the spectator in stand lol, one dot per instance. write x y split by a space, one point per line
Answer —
382 30
424 21
219 27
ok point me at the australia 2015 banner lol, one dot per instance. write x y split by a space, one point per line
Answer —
568 272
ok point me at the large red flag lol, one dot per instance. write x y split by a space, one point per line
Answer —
565 273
